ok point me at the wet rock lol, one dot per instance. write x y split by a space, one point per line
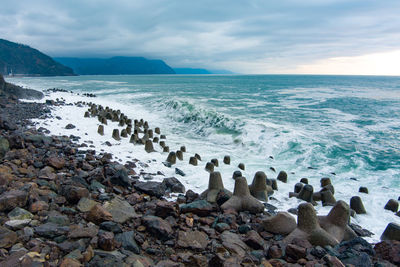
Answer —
19 214
282 176
111 227
38 206
215 185
13 198
392 205
195 240
283 223
171 158
120 210
17 224
360 231
193 161
70 126
356 252
241 166
199 207
7 237
332 261
293 252
158 227
179 172
165 209
151 188
306 193
209 167
127 240
118 175
363 189
327 198
357 205
392 232
77 231
227 160
173 185
98 214
236 174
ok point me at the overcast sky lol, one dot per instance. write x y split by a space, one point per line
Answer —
253 36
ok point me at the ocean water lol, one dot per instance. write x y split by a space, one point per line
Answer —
343 127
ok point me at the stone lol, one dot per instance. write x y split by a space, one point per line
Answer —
120 210
77 231
236 174
38 206
74 193
158 227
165 208
327 198
332 261
118 175
12 199
98 214
156 189
115 135
17 224
392 205
392 232
58 218
282 223
363 189
127 240
282 176
233 243
215 185
325 181
85 204
7 237
195 240
179 154
336 222
209 167
355 252
227 160
294 253
173 185
179 172
4 146
56 162
110 227
171 157
241 199
70 126
106 241
148 147
259 188
19 214
241 166
193 161
308 228
388 250
100 130
254 240
357 205
50 230
199 207
69 262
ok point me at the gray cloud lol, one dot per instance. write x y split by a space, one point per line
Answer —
245 36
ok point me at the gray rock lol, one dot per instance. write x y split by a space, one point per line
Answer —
151 188
120 210
127 240
192 240
51 230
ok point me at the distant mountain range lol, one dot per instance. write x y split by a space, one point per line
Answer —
19 59
115 65
23 60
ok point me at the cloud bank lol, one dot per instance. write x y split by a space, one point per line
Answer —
252 36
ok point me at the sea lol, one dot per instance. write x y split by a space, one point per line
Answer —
346 128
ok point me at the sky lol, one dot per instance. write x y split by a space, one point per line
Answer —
252 36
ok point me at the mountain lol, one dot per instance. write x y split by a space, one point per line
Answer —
12 90
22 59
116 65
200 71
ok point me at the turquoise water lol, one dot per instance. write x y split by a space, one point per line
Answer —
343 127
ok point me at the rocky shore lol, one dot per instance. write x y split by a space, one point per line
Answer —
65 204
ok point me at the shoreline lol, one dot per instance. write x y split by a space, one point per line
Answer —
227 238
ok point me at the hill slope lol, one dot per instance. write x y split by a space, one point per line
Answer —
116 65
22 59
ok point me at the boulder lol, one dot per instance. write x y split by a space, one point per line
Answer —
282 223
209 167
127 240
171 157
392 205
259 188
13 198
241 166
357 205
254 240
158 227
336 223
236 174
199 207
388 250
195 240
98 214
392 232
156 189
173 185
282 176
193 161
120 210
214 186
85 204
233 243
56 162
308 228
242 200
227 160
106 241
51 230
7 237
74 193
4 146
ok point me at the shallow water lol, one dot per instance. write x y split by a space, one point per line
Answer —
343 127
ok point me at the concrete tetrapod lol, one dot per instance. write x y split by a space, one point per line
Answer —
242 200
214 186
308 228
336 223
259 188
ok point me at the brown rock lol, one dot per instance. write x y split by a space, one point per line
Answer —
12 199
56 162
77 231
98 214
158 227
233 243
388 250
38 206
332 261
283 223
7 237
69 262
294 253
192 239
106 241
74 193
88 254
254 240
275 252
